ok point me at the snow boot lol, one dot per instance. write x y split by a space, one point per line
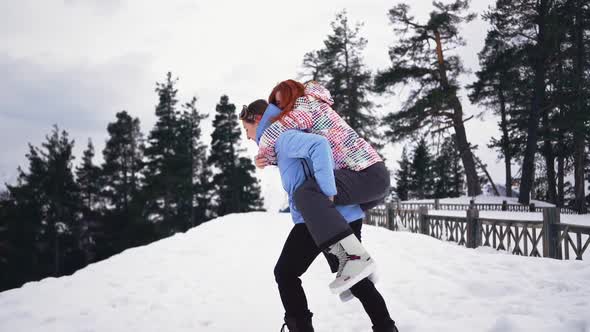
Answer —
354 263
296 324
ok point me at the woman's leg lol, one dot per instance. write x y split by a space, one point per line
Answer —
374 304
299 251
367 187
370 297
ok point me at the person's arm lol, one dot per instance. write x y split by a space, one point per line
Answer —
299 144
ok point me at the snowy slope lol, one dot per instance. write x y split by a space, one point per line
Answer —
218 277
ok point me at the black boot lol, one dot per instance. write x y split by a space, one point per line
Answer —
388 327
298 324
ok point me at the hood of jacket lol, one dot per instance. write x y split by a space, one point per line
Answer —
317 91
271 112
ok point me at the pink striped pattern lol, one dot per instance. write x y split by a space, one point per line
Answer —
313 113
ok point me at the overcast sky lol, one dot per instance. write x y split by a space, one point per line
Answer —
75 63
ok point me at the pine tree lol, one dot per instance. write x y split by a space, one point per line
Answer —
123 154
204 191
580 102
422 177
339 66
497 87
192 168
87 175
236 189
48 204
420 57
88 179
250 192
7 254
23 222
447 171
121 181
162 179
402 177
534 26
64 203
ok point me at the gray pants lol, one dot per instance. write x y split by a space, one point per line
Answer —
325 224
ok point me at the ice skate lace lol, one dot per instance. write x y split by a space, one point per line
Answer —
342 259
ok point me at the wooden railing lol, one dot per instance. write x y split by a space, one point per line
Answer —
518 237
547 238
436 205
566 243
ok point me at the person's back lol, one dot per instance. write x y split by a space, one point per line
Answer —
294 149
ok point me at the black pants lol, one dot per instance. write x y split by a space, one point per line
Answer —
298 253
326 225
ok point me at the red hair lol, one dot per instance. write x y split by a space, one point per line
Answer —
290 90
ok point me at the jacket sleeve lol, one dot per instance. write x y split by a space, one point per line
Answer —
297 144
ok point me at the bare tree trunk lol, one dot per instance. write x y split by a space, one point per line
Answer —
580 197
506 145
549 159
579 157
528 164
485 170
463 146
560 180
56 255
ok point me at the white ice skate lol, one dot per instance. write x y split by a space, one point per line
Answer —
347 294
354 263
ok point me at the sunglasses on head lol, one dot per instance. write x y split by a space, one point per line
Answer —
247 115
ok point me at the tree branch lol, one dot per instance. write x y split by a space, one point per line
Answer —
449 126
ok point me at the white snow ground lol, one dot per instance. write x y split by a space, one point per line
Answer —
218 277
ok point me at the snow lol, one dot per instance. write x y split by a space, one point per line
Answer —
481 199
275 197
574 219
219 277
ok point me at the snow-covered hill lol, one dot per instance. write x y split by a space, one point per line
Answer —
219 277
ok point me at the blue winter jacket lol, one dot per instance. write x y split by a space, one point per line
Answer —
300 156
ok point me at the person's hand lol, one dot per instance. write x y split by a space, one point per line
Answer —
331 198
261 162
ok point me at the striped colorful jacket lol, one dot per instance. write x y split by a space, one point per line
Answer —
313 113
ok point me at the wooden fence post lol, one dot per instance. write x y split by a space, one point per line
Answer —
390 215
423 219
473 231
504 205
436 204
551 233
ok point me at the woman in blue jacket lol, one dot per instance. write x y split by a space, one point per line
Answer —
301 156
